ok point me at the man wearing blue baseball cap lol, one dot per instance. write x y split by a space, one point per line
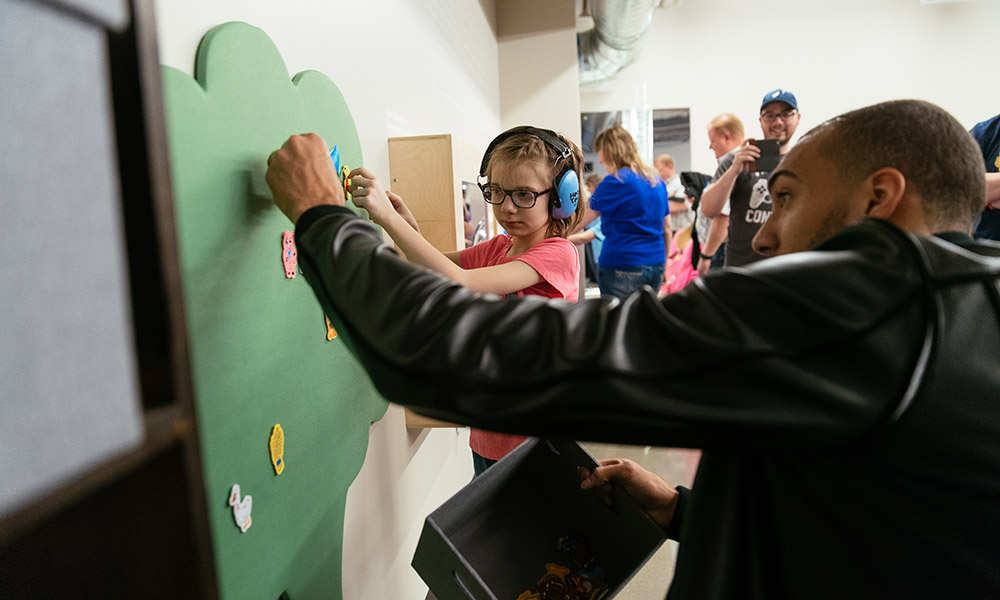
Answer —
739 182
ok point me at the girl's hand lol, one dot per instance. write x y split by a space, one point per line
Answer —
402 210
367 193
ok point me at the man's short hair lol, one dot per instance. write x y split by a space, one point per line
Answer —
933 151
664 159
728 122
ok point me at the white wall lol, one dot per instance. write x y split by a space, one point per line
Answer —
539 78
405 67
719 56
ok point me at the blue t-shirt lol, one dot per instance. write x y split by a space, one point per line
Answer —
632 213
987 134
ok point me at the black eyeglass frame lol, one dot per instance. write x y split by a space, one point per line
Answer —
784 115
487 191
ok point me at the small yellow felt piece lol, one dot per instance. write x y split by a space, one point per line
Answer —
330 331
277 445
345 171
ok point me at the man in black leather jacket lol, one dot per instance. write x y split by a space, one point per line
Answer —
847 398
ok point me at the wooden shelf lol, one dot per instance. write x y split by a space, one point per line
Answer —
417 421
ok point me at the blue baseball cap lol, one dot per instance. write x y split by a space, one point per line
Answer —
779 95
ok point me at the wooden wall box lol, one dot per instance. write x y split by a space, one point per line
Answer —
428 171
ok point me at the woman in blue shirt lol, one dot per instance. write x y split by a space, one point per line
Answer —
635 216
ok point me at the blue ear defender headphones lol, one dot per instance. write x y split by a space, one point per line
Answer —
566 184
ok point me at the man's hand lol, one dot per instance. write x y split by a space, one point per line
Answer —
654 494
745 157
301 176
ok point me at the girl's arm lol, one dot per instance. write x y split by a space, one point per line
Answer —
404 212
588 218
582 237
367 193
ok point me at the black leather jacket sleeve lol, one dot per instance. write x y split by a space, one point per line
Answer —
811 349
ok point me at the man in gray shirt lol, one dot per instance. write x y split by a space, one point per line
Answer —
745 189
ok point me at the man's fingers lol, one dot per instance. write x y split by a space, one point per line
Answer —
313 139
609 472
603 474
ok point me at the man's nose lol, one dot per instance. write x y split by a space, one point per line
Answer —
766 240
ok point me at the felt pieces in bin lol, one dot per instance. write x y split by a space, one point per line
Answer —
560 583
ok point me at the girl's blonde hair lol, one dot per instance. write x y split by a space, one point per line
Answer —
618 147
523 147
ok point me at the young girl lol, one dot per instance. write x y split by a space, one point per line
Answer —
533 257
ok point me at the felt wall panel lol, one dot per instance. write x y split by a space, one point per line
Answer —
258 340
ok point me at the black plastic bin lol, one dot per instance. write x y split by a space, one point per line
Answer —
492 539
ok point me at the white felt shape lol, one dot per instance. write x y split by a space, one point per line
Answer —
241 508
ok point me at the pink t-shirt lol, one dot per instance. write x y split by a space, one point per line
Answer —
558 262
554 258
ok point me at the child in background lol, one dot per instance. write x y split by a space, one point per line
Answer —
532 181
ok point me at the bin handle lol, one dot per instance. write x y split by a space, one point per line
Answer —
461 584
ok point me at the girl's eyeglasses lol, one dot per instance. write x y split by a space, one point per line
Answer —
494 194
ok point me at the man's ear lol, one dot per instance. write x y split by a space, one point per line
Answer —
885 189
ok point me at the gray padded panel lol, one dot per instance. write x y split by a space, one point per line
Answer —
112 13
69 396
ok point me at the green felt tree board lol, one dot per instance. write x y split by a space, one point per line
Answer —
258 343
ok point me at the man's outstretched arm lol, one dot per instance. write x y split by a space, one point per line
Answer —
631 371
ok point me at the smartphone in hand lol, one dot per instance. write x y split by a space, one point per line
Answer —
769 155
